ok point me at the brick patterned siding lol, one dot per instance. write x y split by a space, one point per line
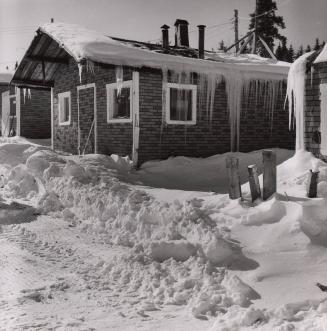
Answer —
112 138
206 138
157 140
35 115
312 107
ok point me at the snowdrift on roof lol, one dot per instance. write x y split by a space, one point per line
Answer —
82 43
322 57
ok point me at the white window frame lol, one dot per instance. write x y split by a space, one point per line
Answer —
323 118
61 97
190 87
110 90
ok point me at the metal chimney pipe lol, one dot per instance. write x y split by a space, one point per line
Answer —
181 33
201 41
165 36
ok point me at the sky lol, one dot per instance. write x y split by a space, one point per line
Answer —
141 20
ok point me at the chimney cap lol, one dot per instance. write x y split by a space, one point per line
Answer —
201 26
179 22
165 27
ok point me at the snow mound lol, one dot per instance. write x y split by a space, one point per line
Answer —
21 182
269 212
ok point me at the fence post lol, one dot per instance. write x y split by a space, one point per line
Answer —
312 184
269 173
233 177
254 182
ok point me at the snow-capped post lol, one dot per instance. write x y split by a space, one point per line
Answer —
269 173
312 184
233 177
254 182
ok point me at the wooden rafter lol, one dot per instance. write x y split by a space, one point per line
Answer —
39 58
32 83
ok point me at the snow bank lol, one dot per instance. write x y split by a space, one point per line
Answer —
199 174
185 252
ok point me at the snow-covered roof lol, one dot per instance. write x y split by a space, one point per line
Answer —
322 57
82 43
5 77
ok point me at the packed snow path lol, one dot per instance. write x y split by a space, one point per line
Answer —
53 285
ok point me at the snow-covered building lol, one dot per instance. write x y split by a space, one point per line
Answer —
152 101
24 112
307 87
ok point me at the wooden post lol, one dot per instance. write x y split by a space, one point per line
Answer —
269 174
233 177
312 184
254 182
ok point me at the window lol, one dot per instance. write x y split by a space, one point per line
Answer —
181 103
64 108
119 107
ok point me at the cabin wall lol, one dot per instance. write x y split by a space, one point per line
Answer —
312 108
157 139
112 138
258 129
35 114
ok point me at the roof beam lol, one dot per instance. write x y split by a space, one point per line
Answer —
38 58
32 83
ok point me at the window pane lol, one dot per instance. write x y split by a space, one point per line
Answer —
65 113
180 104
121 103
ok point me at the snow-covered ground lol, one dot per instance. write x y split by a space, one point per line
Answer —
89 244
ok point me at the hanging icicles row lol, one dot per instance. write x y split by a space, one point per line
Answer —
119 79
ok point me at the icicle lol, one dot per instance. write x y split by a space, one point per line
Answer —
234 90
24 93
119 79
80 70
295 96
29 94
312 72
90 66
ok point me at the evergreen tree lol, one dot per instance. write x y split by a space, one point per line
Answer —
317 45
267 24
299 52
222 46
279 52
282 51
290 54
308 49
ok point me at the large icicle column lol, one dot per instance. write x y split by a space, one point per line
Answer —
295 95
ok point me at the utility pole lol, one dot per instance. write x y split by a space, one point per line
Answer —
254 44
236 29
